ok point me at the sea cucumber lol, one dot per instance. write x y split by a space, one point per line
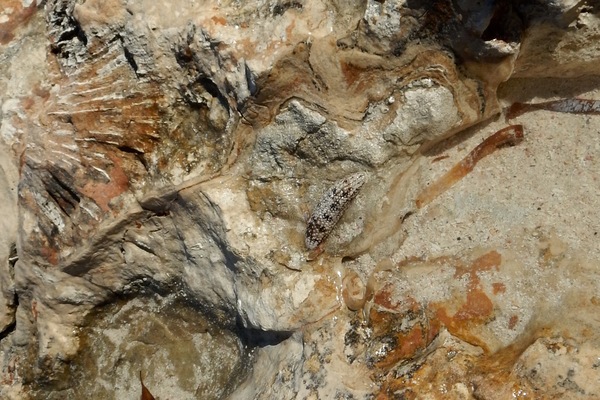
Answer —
331 207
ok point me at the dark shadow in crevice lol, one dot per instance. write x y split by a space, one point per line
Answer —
8 330
525 90
252 337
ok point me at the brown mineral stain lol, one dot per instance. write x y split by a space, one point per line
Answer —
493 372
39 95
404 340
512 322
17 18
498 287
50 254
34 311
352 73
262 199
477 308
219 20
289 30
384 315
439 158
146 395
346 82
103 193
384 297
27 102
110 107
488 377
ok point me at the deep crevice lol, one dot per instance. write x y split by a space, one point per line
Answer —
210 87
61 192
8 330
61 178
131 60
13 257
280 9
129 149
74 33
259 338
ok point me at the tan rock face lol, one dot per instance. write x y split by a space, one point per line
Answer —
159 166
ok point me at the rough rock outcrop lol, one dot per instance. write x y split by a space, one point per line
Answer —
158 166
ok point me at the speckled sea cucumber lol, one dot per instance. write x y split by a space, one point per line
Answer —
331 207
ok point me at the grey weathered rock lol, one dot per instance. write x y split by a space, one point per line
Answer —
157 166
8 246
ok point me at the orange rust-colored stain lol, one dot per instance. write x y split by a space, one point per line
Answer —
127 121
289 30
489 376
50 254
497 367
28 102
109 106
17 18
477 308
440 158
409 345
384 298
382 320
498 287
102 193
39 95
219 20
41 92
414 260
476 311
488 261
512 322
246 45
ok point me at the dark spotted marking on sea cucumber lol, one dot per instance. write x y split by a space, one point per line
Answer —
331 207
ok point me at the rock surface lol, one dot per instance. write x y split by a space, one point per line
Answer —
158 166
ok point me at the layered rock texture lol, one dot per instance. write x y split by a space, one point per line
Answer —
160 161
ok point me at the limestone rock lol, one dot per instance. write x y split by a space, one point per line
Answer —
158 164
